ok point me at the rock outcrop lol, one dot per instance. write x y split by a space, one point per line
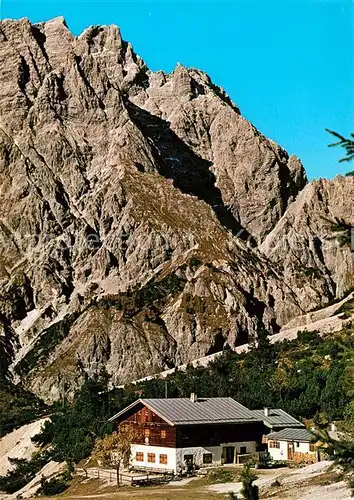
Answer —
312 243
142 217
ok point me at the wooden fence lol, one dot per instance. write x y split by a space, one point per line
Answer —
124 478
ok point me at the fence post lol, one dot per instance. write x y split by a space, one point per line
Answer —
98 473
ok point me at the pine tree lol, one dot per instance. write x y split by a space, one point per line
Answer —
341 451
249 490
347 144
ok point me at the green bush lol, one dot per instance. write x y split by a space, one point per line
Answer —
74 428
249 490
194 262
307 336
18 406
221 476
55 485
154 292
23 472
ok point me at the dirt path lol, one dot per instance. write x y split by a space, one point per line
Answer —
314 482
158 493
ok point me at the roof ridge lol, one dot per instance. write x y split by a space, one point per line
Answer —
183 411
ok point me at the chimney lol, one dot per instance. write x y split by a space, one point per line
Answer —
193 397
266 412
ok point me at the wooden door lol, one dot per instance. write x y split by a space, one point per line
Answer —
229 454
290 451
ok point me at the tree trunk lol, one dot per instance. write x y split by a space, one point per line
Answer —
118 484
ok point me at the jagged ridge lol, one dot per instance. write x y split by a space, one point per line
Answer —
135 210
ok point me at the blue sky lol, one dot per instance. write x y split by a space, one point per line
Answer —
289 65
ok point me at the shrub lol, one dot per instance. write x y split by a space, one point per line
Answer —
307 336
221 476
74 429
55 485
194 262
18 406
23 472
249 490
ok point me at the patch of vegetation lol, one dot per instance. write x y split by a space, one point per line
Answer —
312 272
194 262
341 230
18 406
23 472
303 376
249 490
308 336
344 142
155 292
46 343
74 428
222 476
194 304
55 485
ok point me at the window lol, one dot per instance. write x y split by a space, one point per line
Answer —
243 450
297 445
312 447
151 458
163 459
274 444
207 458
147 433
139 457
188 459
163 434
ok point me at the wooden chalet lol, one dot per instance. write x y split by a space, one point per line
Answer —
174 433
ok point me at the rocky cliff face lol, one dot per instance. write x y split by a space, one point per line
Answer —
312 242
144 222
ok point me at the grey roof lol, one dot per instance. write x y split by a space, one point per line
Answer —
183 411
290 434
277 418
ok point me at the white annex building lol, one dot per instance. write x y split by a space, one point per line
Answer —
289 443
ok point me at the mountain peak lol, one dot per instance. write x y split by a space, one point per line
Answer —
134 206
